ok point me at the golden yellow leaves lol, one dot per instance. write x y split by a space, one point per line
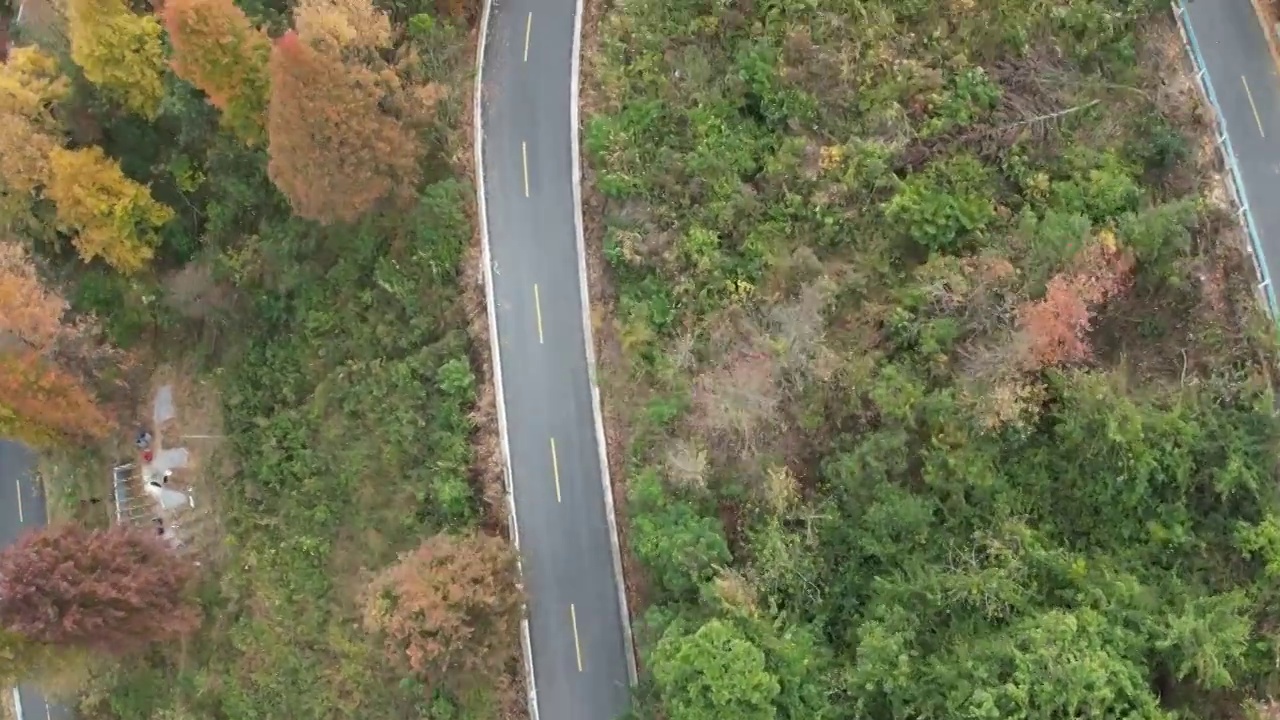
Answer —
30 82
119 51
113 217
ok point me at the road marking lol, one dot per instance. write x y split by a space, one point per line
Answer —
528 25
537 309
18 484
524 158
577 646
1256 117
555 468
47 714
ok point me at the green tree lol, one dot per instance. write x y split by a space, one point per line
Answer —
712 673
680 547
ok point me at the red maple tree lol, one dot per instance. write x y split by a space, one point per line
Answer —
112 591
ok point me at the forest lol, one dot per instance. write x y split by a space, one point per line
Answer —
267 205
947 390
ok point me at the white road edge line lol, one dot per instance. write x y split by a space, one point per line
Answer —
486 259
588 336
17 704
18 484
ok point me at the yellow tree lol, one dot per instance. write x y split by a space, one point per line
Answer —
334 150
112 216
30 83
119 51
217 49
30 86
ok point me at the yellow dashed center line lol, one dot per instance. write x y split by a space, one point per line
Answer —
537 309
577 646
1256 118
524 159
528 25
555 468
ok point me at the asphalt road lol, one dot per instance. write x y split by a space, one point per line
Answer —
22 508
1245 80
575 622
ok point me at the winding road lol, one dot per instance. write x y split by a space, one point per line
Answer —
578 639
22 508
1233 44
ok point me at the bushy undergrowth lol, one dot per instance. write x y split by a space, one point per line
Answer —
954 396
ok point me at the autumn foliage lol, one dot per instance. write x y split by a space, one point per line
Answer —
42 404
112 216
29 312
449 609
334 151
217 49
1055 327
112 591
119 51
30 84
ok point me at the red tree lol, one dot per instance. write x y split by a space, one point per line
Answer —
112 591
334 150
1056 326
449 609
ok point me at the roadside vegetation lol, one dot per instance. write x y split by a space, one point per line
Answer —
947 392
263 204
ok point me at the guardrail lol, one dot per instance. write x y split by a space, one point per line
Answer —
1235 183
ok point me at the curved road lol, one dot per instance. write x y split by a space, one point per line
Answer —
1233 44
578 638
22 508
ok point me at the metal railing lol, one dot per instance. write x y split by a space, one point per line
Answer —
1235 182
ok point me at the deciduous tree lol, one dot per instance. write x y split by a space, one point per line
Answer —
112 591
334 151
217 49
1054 327
336 25
712 673
112 216
681 548
119 51
43 405
30 83
449 609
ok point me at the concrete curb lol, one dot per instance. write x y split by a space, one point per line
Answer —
589 340
1268 31
486 272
